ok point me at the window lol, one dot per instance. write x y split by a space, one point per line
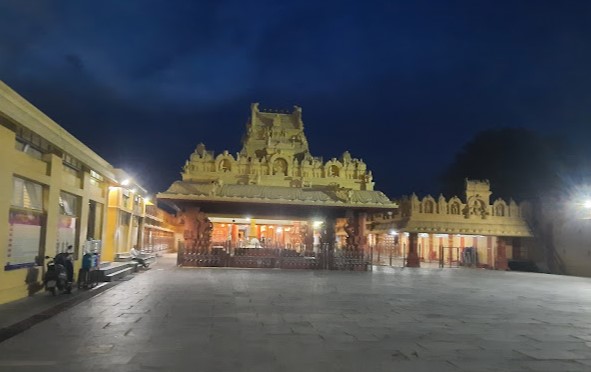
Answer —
125 198
73 171
124 218
27 194
28 149
71 162
31 143
96 179
68 204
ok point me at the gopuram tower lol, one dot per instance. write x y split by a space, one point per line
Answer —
274 194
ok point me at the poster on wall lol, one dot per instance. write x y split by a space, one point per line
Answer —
24 239
66 233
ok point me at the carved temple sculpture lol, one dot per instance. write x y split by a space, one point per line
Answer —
275 153
272 190
426 227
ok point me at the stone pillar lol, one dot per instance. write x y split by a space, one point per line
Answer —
327 242
412 260
190 232
489 251
252 231
362 227
501 262
234 236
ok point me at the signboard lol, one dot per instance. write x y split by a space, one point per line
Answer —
24 239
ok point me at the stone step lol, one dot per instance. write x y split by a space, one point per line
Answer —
116 270
116 275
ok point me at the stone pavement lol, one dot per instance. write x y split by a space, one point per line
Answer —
170 319
22 314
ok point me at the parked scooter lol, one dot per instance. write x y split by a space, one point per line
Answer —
56 277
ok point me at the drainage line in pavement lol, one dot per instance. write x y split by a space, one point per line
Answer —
23 325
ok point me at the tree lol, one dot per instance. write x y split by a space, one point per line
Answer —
519 164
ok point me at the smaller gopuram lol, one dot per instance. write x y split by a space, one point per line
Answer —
274 198
474 231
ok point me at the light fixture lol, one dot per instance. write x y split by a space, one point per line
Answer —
125 182
393 232
317 224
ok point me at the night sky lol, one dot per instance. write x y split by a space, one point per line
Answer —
400 84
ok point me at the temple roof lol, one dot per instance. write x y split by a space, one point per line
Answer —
184 190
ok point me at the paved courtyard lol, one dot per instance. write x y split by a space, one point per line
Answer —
170 319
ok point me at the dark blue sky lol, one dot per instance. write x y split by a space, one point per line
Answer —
400 84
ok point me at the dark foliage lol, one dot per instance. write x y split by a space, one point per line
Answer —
519 163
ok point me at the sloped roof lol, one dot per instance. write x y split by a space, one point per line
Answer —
183 190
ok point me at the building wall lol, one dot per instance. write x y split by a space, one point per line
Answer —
125 220
51 173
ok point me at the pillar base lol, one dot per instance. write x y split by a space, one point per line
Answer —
502 264
413 260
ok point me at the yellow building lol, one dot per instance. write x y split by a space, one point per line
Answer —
161 231
56 192
133 221
125 217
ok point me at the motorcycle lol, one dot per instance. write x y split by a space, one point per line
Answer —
56 277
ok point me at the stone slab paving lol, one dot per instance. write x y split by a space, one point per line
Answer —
171 319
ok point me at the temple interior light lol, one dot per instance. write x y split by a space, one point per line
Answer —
393 232
125 182
279 229
317 224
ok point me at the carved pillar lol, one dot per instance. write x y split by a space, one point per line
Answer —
361 230
190 232
501 262
412 259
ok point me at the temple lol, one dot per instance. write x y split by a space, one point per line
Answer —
274 198
274 204
444 232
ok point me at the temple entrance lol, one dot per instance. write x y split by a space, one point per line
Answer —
275 243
